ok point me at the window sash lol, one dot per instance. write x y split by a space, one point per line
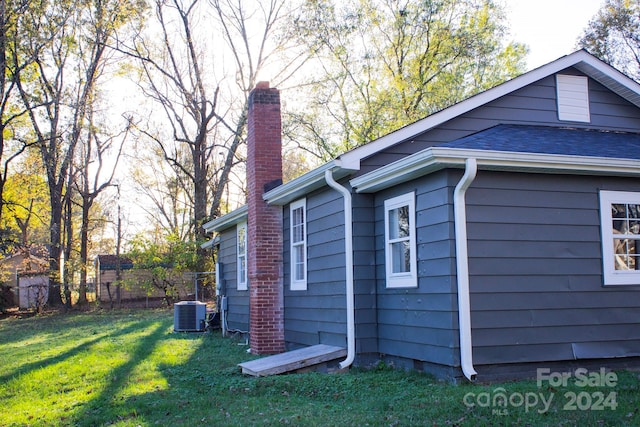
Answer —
241 266
400 242
620 225
298 247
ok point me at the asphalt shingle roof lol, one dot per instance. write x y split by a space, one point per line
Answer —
553 140
108 262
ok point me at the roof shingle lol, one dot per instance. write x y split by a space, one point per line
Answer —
553 140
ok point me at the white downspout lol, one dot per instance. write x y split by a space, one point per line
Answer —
462 267
348 249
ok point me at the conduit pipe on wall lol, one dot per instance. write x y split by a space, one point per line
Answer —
348 249
462 268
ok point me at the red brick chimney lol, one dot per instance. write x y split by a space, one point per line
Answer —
264 224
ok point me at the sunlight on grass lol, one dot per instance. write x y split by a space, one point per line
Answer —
128 368
50 384
147 376
26 343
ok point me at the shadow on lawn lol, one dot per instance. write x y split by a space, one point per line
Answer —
109 402
84 346
189 383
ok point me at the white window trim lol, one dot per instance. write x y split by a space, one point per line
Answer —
612 276
240 285
573 98
406 279
298 285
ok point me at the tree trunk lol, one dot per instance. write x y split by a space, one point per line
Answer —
68 241
118 268
55 297
84 243
200 198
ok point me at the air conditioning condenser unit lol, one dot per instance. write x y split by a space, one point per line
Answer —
189 316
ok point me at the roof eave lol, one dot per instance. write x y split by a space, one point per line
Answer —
304 184
436 158
211 243
282 194
232 218
582 60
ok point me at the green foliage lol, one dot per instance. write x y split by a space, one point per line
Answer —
613 35
127 368
383 64
172 252
159 265
26 202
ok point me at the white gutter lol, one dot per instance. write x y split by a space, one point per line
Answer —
304 184
232 218
462 267
348 249
435 158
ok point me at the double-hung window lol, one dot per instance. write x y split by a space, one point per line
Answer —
298 238
241 236
620 222
400 241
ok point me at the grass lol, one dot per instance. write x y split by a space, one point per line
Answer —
128 368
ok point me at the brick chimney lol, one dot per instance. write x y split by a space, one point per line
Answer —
264 224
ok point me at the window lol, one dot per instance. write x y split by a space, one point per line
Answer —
241 232
400 241
620 222
298 227
573 98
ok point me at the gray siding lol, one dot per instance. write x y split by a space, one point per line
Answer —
238 301
536 274
535 263
533 105
364 259
420 323
318 314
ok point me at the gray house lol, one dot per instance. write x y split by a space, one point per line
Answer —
491 238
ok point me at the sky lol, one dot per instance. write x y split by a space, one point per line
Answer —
550 27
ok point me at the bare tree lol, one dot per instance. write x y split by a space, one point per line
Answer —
175 80
613 35
95 174
206 115
168 192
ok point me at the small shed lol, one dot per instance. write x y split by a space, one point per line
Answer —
25 273
106 274
33 290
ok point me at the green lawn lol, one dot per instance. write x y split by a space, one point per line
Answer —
128 368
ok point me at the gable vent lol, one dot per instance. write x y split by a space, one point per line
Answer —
573 98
